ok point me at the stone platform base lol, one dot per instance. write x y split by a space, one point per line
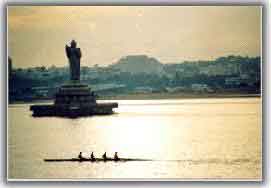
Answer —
72 100
73 111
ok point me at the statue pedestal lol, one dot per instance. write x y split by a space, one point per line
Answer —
74 99
74 95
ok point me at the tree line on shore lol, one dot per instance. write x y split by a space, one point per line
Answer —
144 74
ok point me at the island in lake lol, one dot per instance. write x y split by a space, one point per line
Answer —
74 98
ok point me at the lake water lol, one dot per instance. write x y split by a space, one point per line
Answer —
187 139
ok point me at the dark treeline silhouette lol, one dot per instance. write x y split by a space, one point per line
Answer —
135 74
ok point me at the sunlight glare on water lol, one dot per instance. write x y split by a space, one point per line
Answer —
191 138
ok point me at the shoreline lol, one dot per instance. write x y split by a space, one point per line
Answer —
154 96
175 96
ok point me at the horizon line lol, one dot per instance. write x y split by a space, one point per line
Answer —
164 63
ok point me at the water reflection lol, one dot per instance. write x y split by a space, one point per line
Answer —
207 138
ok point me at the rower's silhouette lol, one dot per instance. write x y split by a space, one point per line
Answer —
116 157
80 155
104 156
92 156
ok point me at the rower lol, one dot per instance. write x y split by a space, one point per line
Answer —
92 156
116 158
80 155
104 156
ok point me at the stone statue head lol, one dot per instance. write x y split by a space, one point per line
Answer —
73 44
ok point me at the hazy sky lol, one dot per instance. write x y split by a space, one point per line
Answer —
37 34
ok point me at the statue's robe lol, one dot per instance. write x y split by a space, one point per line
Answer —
74 55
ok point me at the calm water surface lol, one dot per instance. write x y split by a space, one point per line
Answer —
197 138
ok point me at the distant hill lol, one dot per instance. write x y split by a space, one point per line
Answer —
139 64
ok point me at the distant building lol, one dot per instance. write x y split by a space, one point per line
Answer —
233 81
220 70
175 89
101 87
143 89
200 87
41 91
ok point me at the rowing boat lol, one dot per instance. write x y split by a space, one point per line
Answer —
95 160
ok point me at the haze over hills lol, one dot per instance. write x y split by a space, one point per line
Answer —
138 64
